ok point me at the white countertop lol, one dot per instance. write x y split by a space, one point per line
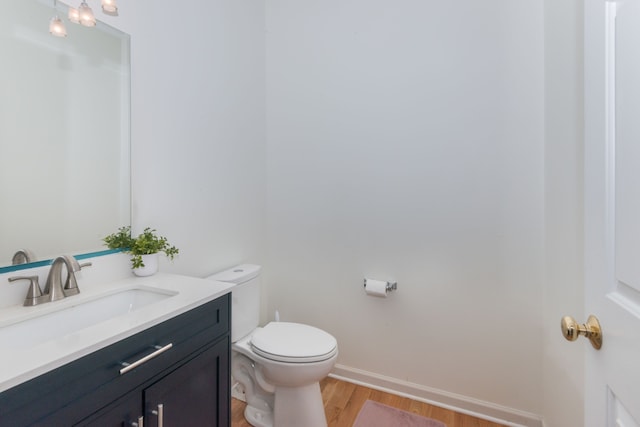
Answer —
18 365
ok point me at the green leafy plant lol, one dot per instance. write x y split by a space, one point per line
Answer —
120 240
148 242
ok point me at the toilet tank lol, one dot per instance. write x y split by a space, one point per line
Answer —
245 298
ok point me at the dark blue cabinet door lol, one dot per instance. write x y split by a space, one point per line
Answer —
126 412
196 394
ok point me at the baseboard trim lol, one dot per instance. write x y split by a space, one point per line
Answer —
466 405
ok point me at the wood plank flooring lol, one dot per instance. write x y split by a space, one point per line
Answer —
343 400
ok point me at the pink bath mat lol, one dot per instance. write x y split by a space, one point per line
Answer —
374 414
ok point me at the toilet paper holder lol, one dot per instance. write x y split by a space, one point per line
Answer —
391 286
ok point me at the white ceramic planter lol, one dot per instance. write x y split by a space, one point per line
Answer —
150 265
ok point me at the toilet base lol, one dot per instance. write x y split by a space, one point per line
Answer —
258 418
299 406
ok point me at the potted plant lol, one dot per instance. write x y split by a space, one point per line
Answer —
144 249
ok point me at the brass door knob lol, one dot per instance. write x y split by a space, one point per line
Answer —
572 330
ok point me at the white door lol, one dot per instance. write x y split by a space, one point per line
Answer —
612 210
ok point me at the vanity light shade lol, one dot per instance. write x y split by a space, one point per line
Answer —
110 7
56 27
86 15
74 15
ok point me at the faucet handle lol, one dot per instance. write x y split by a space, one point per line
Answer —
71 284
35 293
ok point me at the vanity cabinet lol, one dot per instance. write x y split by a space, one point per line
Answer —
187 382
187 396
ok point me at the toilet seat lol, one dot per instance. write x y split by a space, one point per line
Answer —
293 343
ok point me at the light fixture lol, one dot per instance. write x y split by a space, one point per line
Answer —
56 27
81 15
110 7
74 15
86 15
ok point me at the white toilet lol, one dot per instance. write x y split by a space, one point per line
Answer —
277 367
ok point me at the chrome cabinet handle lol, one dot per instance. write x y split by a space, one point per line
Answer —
129 366
160 414
139 423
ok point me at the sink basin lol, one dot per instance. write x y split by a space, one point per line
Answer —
68 319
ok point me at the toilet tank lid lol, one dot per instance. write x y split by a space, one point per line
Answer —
238 274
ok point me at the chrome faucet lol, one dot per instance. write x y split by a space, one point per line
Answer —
53 289
22 256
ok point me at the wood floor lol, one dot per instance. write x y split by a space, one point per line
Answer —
343 400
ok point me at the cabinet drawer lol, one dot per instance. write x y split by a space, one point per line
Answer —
82 387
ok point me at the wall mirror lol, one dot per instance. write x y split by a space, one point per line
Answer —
64 134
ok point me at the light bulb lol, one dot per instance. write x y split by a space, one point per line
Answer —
86 15
56 27
110 7
74 15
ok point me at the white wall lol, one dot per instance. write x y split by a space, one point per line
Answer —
405 142
198 128
564 295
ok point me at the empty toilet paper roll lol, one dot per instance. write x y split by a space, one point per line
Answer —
376 288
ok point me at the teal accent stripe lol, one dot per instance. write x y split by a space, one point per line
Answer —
45 262
99 253
10 268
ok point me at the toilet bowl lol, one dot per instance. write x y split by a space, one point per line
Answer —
276 368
